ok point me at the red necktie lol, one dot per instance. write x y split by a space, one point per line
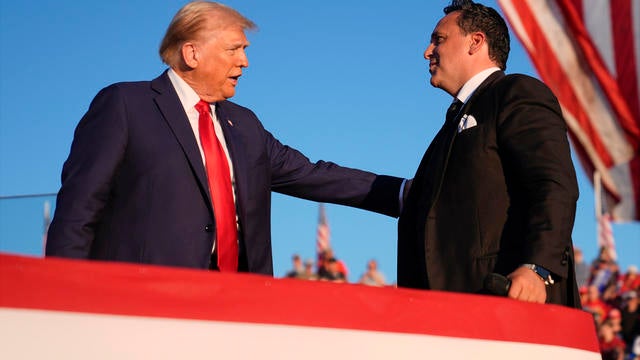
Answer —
220 189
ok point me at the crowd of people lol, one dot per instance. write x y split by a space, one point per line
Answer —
329 268
612 296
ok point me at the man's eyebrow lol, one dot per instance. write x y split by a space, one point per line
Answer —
239 44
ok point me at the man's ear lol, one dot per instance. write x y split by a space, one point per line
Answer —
477 40
189 54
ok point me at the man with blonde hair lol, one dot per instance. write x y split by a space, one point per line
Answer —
170 172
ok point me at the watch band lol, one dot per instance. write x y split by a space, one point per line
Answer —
544 274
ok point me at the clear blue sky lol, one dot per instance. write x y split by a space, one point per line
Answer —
343 81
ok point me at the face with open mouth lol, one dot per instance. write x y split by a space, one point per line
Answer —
221 59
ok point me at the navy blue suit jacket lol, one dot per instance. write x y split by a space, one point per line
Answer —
134 186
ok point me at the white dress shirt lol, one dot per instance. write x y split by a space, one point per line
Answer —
472 84
189 98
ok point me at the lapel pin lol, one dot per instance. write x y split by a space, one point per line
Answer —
229 121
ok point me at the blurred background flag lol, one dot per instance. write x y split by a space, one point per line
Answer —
323 235
604 230
588 53
605 235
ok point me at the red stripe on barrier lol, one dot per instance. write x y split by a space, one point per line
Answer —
129 289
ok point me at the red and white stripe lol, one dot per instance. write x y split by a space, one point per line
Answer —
588 53
323 234
605 235
71 309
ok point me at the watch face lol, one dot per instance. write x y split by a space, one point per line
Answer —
543 272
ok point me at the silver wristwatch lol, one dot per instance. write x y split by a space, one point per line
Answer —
542 272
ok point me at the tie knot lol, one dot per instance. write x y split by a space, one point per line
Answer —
453 109
203 107
455 105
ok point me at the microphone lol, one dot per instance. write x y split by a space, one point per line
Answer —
496 284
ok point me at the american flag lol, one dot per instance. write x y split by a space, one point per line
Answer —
605 235
323 235
588 53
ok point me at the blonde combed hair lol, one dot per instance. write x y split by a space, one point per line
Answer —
194 19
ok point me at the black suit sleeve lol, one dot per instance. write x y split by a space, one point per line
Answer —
542 182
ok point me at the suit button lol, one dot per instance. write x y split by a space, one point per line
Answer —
208 228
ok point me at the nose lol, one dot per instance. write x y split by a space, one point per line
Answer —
428 52
244 60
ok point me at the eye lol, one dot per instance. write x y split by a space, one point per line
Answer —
437 39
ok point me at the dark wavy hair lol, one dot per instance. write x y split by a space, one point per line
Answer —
477 17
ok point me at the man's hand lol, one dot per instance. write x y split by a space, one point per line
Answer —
526 285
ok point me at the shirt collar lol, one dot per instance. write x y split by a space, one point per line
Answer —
188 97
472 84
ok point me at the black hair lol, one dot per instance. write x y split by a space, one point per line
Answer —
477 17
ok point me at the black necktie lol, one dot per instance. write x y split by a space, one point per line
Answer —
453 110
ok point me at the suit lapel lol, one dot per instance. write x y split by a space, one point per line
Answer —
448 135
173 113
482 87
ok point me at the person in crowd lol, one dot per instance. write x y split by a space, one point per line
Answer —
584 295
604 255
340 265
496 190
604 274
372 276
615 309
611 296
611 346
331 271
297 269
308 272
614 317
170 172
595 305
583 272
630 280
634 352
630 316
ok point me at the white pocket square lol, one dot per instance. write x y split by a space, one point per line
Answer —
467 122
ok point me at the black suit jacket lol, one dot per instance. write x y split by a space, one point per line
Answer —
494 196
134 186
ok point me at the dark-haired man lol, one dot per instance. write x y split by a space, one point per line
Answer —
496 190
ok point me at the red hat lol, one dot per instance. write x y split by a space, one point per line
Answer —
614 314
583 290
